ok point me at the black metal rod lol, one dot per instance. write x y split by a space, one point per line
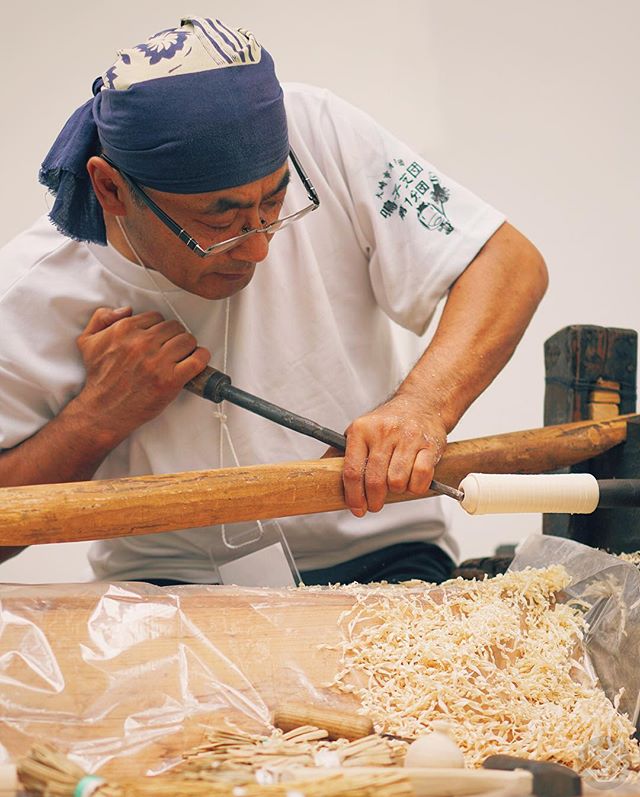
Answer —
281 416
618 492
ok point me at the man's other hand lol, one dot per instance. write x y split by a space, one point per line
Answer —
136 365
394 448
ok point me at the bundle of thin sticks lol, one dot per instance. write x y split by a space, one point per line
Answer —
306 746
47 773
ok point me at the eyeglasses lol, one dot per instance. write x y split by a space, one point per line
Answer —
224 246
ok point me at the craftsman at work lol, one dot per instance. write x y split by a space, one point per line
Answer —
161 256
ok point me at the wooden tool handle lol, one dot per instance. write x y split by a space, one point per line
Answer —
209 384
148 504
440 782
338 724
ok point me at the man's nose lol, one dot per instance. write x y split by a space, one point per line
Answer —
253 248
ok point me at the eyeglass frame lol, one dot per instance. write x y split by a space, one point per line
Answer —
229 243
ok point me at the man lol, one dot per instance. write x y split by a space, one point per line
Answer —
166 252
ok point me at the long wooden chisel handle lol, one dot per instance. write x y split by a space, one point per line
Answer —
149 504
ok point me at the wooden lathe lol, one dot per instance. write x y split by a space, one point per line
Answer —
247 650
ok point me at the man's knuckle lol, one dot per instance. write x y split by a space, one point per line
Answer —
162 382
397 482
121 328
174 328
419 486
352 473
390 424
357 426
135 347
150 319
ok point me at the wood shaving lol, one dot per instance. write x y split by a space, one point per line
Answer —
302 747
500 659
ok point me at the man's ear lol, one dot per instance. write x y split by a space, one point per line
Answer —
109 186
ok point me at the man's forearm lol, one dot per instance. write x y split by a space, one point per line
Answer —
487 311
69 448
396 446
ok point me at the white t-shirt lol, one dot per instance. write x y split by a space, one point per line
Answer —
312 332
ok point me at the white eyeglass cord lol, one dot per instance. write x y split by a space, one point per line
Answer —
225 433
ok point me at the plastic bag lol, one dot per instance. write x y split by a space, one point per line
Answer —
608 590
136 672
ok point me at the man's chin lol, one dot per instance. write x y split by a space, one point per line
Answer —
222 285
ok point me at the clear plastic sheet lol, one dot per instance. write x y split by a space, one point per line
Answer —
608 589
125 676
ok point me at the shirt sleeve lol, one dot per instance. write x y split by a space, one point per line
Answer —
25 409
419 228
40 365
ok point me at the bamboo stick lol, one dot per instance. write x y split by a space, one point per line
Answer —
338 724
150 504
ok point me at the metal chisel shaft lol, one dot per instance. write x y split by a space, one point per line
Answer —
216 386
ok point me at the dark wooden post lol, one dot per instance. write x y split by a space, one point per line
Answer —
591 373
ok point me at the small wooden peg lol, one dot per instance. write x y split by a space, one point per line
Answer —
338 724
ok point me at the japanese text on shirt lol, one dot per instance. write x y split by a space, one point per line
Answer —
406 190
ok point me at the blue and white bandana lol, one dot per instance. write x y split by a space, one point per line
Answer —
192 109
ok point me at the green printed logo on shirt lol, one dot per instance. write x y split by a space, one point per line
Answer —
407 190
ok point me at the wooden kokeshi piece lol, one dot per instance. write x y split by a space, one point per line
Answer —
591 373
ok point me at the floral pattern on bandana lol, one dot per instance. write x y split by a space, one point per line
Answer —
163 45
198 45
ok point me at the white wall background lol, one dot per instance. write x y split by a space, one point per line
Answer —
534 106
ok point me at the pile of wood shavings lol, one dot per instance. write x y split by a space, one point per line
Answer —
499 659
631 558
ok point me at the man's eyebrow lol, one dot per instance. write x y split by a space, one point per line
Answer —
223 204
286 177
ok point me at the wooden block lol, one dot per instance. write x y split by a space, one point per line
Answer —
604 397
580 358
602 412
607 384
582 364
